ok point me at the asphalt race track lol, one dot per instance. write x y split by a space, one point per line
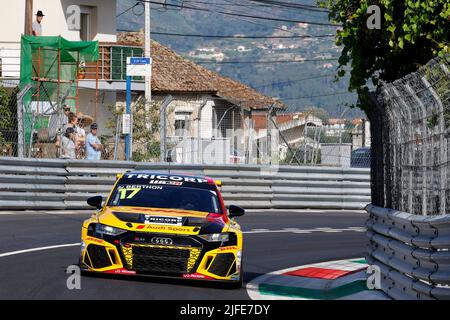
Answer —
273 240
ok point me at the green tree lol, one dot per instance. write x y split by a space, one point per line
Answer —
146 144
412 32
8 119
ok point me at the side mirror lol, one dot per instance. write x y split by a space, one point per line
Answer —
95 202
235 211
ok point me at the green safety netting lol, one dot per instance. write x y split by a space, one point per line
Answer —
48 47
54 61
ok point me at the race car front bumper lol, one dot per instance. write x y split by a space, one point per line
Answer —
178 256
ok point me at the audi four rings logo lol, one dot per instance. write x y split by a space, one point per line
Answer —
156 240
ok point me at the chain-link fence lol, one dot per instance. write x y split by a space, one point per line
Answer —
216 131
309 138
410 132
8 118
38 128
187 129
212 131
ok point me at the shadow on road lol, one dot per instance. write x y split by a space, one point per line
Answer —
248 276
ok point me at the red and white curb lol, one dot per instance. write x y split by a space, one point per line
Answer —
342 279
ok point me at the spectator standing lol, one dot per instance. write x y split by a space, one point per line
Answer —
68 144
93 145
64 117
37 25
72 121
80 126
58 123
80 134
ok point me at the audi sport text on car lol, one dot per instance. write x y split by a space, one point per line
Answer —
164 225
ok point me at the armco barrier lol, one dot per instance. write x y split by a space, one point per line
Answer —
66 184
412 253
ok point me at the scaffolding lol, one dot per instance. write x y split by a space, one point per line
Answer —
53 66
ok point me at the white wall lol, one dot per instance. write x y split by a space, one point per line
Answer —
54 23
12 17
206 120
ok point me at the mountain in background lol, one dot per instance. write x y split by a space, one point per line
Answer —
299 83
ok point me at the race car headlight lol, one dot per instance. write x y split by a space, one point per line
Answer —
215 237
108 230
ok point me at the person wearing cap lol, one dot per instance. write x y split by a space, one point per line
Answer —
58 123
37 26
64 118
68 144
93 145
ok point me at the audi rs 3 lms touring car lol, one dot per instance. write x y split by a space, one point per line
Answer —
164 225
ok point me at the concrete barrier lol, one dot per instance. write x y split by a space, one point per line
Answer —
66 184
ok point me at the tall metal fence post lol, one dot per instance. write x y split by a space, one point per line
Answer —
424 147
199 135
163 127
20 129
408 145
443 155
128 146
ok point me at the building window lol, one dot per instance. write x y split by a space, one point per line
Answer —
87 23
182 123
84 30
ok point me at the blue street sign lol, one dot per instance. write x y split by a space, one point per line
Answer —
134 60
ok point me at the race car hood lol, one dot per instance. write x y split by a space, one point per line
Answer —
163 220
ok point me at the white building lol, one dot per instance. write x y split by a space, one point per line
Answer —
95 19
334 127
96 22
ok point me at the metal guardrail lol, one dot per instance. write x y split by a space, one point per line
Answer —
66 184
412 252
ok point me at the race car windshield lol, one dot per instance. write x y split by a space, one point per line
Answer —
166 197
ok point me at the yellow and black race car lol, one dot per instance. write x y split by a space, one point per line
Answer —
164 225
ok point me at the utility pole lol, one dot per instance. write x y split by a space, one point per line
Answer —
147 49
28 17
363 137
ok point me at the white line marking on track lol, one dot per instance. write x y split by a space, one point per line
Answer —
12 253
42 213
296 230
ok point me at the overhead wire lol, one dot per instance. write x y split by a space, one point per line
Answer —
242 15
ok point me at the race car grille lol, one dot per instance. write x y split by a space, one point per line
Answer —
156 258
98 256
221 264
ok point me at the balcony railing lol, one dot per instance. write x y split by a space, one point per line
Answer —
112 63
111 66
